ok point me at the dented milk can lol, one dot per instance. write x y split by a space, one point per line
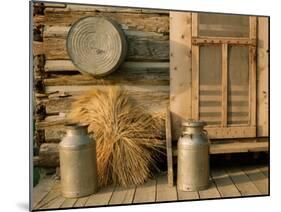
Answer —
193 157
77 162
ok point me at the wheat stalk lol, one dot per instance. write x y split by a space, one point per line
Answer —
126 136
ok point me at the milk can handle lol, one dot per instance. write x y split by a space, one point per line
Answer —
206 133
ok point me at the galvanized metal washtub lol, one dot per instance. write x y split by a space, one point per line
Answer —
77 162
193 157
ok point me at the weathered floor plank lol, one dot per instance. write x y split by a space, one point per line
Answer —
68 203
187 195
123 195
102 197
242 182
146 192
53 194
81 201
264 170
210 193
56 203
41 190
224 184
164 191
258 178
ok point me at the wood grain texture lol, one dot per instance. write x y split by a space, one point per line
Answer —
211 192
264 170
41 190
139 49
253 72
258 178
146 193
81 202
231 132
55 7
191 195
180 69
123 195
68 203
58 99
150 22
262 76
55 203
236 146
52 195
170 171
164 191
224 184
224 96
195 69
102 197
245 186
63 72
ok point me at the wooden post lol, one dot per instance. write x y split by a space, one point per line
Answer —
195 69
169 149
262 76
252 71
180 69
224 84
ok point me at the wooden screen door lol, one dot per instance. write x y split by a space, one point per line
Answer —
224 74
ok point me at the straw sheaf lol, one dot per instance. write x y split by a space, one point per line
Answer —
127 138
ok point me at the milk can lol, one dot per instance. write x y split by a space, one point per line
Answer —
193 157
77 162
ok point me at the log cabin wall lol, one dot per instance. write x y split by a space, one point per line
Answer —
145 72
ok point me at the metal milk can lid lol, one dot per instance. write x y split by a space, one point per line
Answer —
194 123
81 137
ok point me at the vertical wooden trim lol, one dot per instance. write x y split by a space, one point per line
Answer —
195 69
180 70
169 149
252 71
262 76
253 27
224 84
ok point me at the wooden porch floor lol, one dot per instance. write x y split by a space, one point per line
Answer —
225 182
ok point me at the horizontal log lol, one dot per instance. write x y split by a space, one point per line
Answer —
149 22
96 8
63 72
58 99
55 134
142 49
49 155
145 67
54 5
52 121
62 31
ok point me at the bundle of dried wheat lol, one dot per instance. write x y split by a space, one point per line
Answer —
126 136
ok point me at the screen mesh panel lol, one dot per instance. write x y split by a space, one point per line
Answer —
223 25
210 84
238 85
